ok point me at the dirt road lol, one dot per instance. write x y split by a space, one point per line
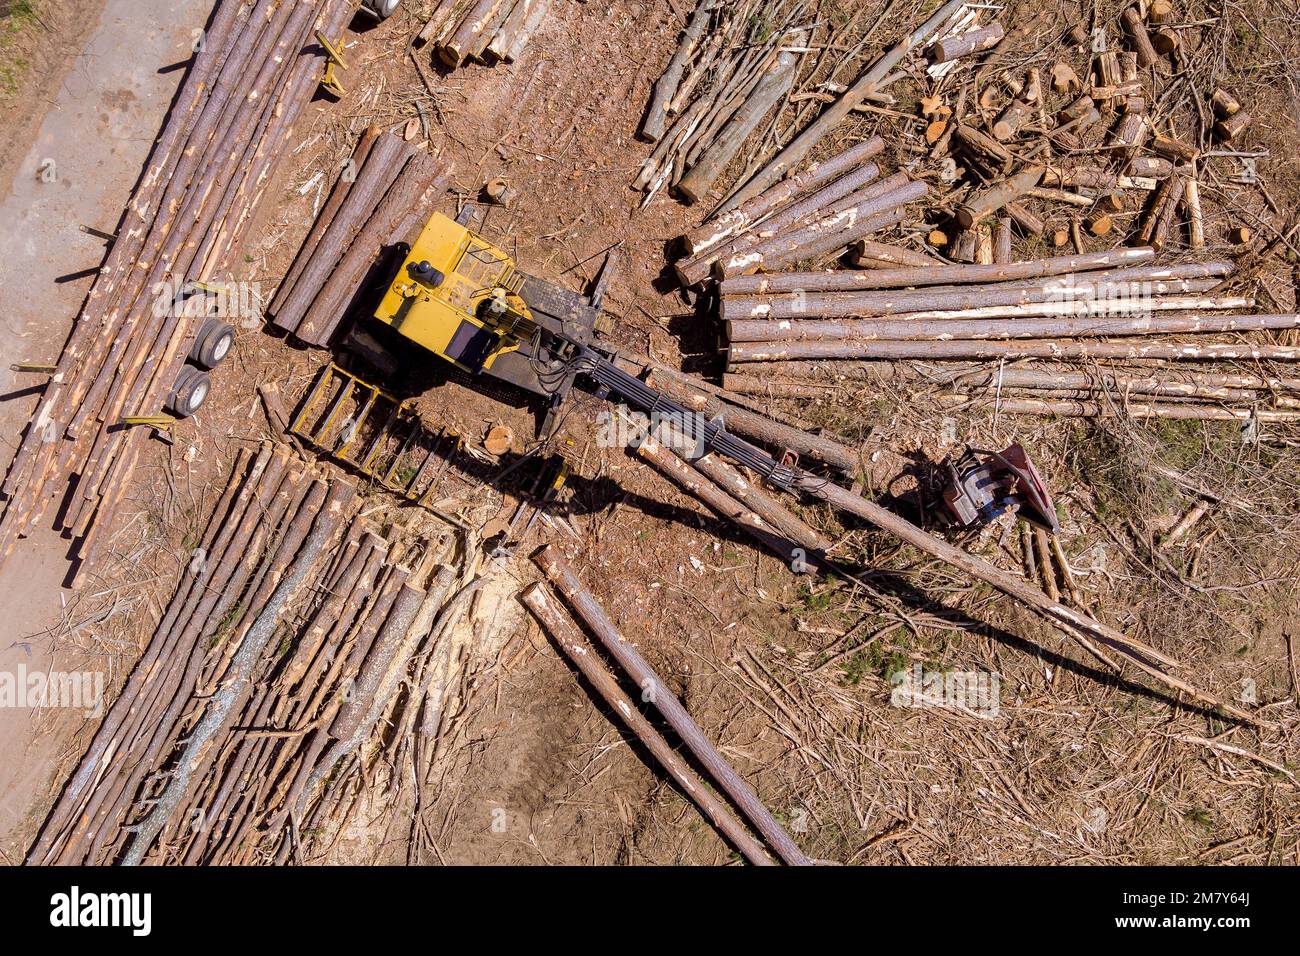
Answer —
105 106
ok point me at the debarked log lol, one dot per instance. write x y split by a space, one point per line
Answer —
977 350
901 330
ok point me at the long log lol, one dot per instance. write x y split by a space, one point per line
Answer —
976 350
801 326
478 49
936 273
593 615
1075 408
583 656
903 330
790 157
1110 381
1109 286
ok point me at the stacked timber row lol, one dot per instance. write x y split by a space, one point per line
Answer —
1063 308
484 31
257 68
279 653
812 216
383 197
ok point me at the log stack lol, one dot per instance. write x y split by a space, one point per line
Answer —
280 651
234 114
812 216
1079 162
1064 308
383 196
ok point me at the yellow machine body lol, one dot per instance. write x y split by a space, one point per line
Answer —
457 295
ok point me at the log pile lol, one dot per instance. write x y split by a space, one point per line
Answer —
259 694
806 218
380 198
1107 170
256 70
946 312
729 77
482 31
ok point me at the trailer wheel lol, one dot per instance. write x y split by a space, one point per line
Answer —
189 392
213 343
380 9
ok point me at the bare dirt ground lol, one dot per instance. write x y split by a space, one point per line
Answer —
791 675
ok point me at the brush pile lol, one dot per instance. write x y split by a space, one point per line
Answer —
265 684
234 114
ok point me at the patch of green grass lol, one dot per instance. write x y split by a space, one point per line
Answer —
760 29
1199 816
225 624
896 663
812 601
22 16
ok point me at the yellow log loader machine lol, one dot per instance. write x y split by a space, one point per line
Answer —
461 298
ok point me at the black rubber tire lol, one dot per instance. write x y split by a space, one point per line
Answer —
380 9
190 392
212 344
